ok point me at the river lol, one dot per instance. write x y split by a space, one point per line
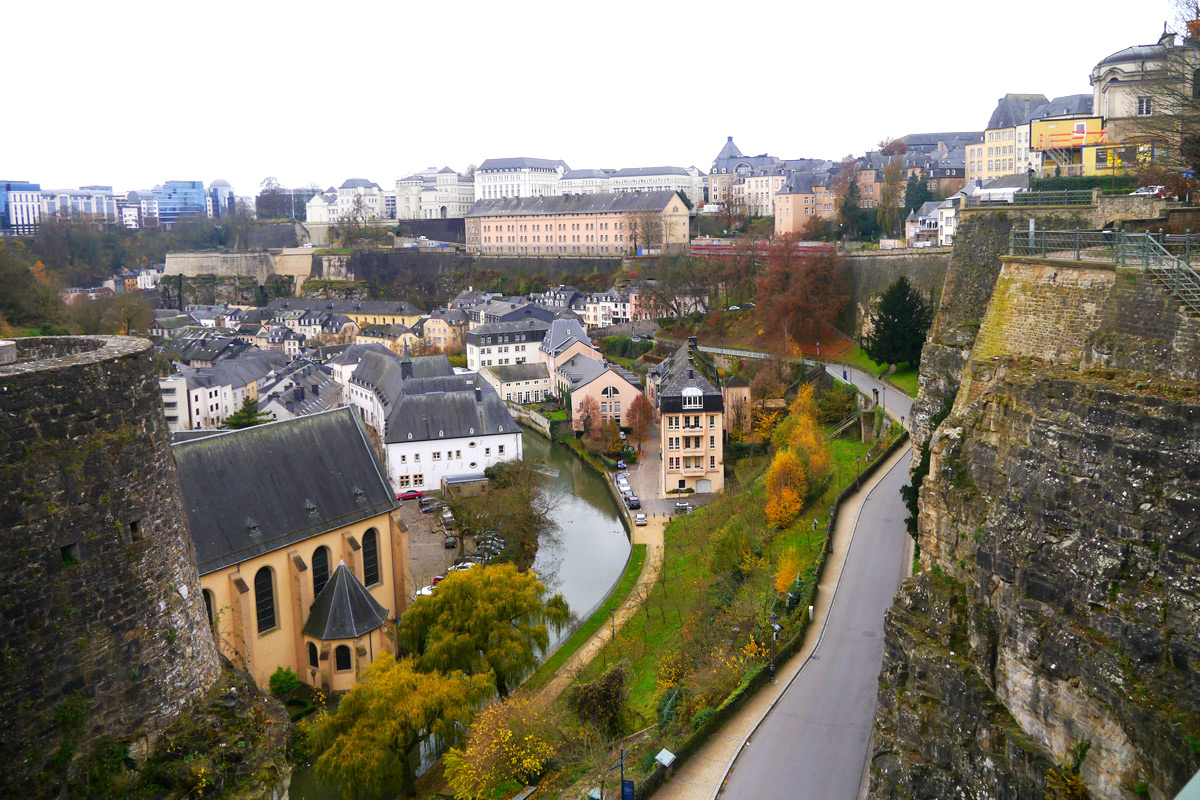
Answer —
582 557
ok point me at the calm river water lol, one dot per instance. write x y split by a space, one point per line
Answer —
582 557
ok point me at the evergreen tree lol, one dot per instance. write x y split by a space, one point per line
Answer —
849 213
916 193
247 416
900 325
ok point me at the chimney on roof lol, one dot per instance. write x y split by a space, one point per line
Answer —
316 390
298 393
692 344
478 394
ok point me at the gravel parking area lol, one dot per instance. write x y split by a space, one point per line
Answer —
426 543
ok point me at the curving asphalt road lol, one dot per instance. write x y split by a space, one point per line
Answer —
813 743
894 401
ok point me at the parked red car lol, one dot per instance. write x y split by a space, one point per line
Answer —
409 494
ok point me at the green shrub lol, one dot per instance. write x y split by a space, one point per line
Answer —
283 681
837 403
702 717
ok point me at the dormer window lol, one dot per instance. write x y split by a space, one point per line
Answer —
693 398
310 509
251 527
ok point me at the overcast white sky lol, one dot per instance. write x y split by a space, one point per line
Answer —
134 93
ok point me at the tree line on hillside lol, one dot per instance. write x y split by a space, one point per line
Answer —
31 299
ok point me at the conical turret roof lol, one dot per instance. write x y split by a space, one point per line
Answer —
344 609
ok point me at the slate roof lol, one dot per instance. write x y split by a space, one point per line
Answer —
602 203
580 371
259 489
497 164
509 373
803 182
308 387
729 151
635 172
1139 52
344 609
686 369
451 407
528 324
928 142
353 353
562 333
1068 105
1014 109
387 372
452 316
358 183
580 174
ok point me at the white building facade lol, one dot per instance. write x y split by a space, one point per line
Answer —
518 177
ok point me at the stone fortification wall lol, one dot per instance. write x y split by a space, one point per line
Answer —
223 265
102 623
871 272
1057 616
1105 211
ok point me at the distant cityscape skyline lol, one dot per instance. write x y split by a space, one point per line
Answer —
878 70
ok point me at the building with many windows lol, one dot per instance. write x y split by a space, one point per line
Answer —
175 199
1004 147
691 409
302 560
447 428
518 177
614 388
434 194
498 344
20 206
728 167
690 182
519 383
613 224
1134 90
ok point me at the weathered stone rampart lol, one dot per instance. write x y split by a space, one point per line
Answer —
871 272
1057 616
103 630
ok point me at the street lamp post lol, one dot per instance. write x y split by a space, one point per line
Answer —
774 635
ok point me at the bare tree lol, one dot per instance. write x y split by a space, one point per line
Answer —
645 229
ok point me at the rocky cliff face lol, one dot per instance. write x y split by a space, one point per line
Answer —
1053 636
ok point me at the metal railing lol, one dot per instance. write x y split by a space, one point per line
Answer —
1062 197
1166 258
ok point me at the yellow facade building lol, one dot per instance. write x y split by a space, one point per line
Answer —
303 562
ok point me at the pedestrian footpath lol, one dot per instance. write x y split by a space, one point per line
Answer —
703 775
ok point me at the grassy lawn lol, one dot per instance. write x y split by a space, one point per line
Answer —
905 376
691 601
546 671
906 379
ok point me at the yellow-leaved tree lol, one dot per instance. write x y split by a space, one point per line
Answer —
806 437
509 740
487 620
787 570
365 746
786 487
